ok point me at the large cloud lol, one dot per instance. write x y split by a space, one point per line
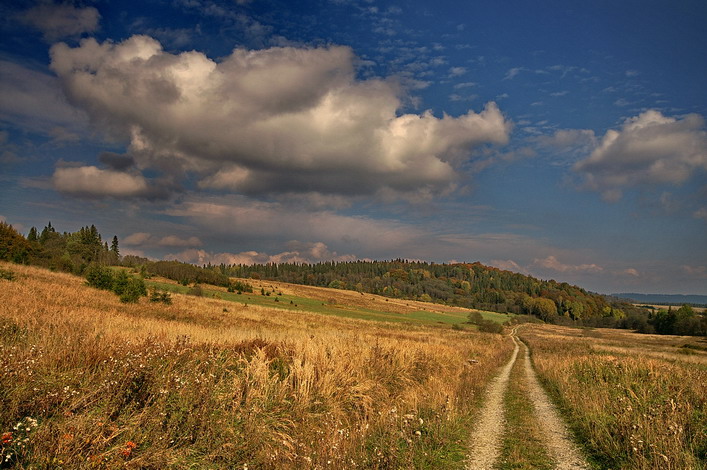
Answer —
276 120
650 148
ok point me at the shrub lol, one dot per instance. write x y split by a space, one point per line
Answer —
196 290
99 277
488 326
161 296
133 290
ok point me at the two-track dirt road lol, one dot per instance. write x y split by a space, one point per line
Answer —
487 437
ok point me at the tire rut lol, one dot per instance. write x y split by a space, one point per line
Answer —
486 438
556 435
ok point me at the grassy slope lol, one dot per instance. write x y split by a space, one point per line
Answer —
211 383
339 303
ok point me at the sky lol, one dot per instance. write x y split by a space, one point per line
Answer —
561 139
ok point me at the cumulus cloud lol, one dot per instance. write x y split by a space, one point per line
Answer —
278 120
553 264
88 181
57 21
298 253
649 148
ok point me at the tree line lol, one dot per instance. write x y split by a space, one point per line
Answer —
470 285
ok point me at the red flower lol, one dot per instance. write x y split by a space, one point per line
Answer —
128 449
6 438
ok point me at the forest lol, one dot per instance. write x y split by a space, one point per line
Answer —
470 285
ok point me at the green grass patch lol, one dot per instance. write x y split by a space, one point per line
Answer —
297 303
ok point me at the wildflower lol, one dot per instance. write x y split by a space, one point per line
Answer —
6 438
128 449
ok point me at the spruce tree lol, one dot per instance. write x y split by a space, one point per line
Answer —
114 246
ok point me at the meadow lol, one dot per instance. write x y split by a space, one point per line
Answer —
90 382
635 401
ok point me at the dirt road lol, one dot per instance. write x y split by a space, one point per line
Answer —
486 438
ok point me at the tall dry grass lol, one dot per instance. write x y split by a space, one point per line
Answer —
88 382
632 410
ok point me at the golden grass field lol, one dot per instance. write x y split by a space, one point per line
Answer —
206 383
635 401
89 382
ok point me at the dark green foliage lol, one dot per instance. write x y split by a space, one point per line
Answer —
99 277
128 288
133 290
161 296
196 291
186 273
114 247
13 246
240 287
485 326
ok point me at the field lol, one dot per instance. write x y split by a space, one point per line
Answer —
635 401
317 378
89 382
337 302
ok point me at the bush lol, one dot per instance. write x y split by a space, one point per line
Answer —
488 326
133 290
196 291
99 277
163 297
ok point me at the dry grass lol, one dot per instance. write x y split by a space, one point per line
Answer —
637 407
205 383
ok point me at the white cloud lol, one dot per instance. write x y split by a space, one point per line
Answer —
88 181
508 265
136 239
269 121
648 149
696 271
553 264
299 253
62 20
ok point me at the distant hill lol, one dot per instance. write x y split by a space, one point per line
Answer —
664 298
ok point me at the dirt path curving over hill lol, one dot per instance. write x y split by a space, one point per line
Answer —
554 431
486 438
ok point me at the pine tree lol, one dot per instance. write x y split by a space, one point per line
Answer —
114 246
33 235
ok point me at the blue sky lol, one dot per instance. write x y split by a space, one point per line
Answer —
556 138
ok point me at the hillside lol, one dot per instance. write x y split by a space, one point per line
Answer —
470 285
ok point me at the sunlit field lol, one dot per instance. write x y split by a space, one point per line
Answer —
89 382
636 401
